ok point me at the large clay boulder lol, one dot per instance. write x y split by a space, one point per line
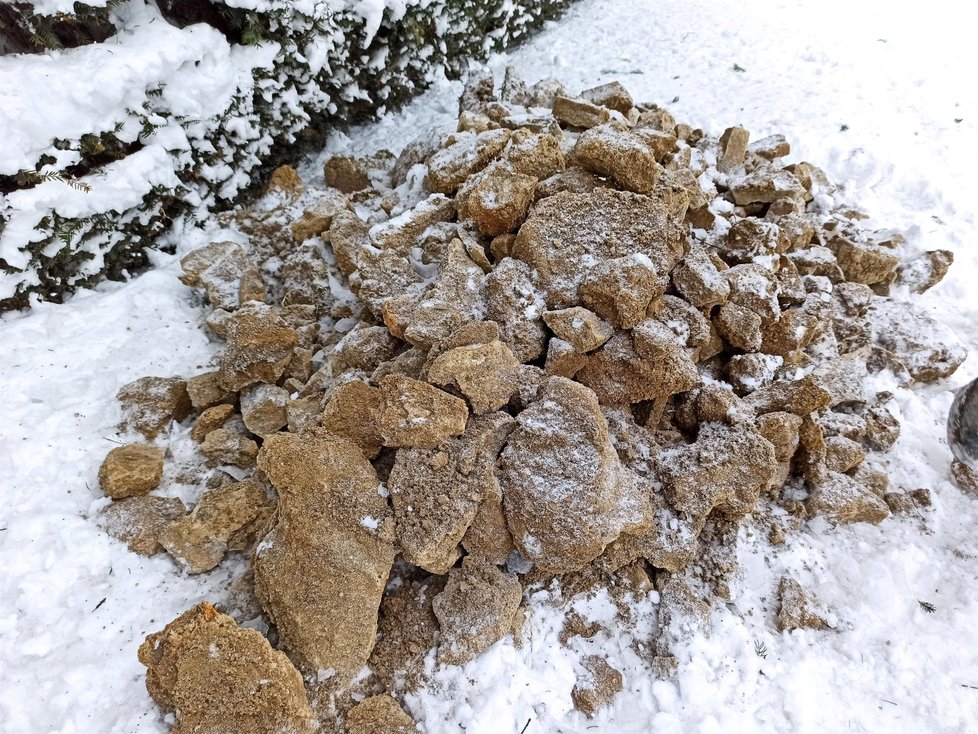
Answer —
320 572
565 491
566 230
217 677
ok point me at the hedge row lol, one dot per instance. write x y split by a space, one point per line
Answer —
299 68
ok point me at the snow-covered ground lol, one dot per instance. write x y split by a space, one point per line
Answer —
877 94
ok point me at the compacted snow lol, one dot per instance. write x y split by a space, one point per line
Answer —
872 92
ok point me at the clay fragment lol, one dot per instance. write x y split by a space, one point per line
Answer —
596 686
379 715
320 571
130 470
202 652
475 610
139 521
150 403
799 610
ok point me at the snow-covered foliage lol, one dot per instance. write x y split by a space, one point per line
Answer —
106 143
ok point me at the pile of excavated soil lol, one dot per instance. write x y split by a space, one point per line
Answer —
570 346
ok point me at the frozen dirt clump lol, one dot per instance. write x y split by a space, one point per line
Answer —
217 677
575 351
320 571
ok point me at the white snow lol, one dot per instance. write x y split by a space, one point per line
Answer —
892 74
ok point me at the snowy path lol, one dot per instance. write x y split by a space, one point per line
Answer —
889 73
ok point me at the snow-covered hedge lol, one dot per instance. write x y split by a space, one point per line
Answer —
104 144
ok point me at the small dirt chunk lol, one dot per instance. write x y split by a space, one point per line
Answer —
263 408
227 446
139 521
134 469
379 715
475 610
150 403
596 686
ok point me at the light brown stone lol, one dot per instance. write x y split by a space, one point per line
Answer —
469 154
225 519
133 469
697 280
259 347
619 374
766 185
486 374
436 493
263 408
578 112
741 327
210 420
733 148
150 403
205 391
582 328
596 686
727 468
139 521
475 610
379 715
318 217
414 414
612 95
612 150
217 677
346 174
513 302
842 499
499 202
620 289
563 513
226 446
799 610
567 229
350 413
320 572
